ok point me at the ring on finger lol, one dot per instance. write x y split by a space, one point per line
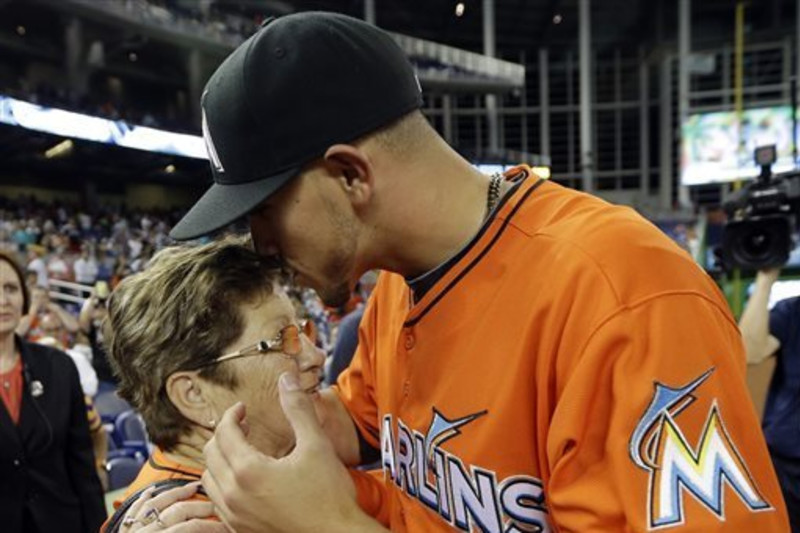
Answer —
153 515
130 520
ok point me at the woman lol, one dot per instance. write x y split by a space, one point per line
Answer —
47 469
199 330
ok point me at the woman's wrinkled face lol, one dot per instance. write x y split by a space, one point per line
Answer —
257 375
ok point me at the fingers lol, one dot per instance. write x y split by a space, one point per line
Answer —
199 526
185 511
171 496
301 413
137 505
217 462
216 494
228 452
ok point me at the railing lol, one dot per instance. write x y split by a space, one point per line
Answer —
69 286
437 65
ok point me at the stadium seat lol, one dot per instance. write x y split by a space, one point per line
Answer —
129 426
122 471
109 405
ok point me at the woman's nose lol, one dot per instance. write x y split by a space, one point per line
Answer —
310 355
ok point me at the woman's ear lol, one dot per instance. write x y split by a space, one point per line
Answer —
352 167
190 395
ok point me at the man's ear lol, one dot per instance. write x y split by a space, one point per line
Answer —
189 395
352 167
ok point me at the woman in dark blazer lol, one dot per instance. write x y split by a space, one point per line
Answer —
48 480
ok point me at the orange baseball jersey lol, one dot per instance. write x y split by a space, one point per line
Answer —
573 370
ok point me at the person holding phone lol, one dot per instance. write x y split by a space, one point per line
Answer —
90 321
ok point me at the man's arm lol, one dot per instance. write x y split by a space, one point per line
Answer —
754 323
654 427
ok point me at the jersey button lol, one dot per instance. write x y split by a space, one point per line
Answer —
406 388
410 341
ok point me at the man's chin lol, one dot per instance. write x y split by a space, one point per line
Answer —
335 296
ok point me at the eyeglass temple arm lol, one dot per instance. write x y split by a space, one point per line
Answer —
261 346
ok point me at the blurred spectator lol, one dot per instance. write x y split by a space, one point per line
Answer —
776 333
85 267
57 267
41 308
347 331
345 347
53 334
38 265
91 318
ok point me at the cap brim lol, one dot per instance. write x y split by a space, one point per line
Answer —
222 204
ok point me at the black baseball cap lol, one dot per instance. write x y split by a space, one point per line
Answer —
302 83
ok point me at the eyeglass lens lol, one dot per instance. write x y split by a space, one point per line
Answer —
290 337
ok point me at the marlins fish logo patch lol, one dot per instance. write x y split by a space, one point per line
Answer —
710 472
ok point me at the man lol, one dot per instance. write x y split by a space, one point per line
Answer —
86 266
90 321
36 264
534 359
776 333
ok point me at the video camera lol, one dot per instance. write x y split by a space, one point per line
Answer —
762 218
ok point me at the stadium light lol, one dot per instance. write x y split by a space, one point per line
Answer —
61 149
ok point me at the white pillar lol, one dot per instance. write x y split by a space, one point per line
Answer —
684 54
447 118
618 117
644 124
490 50
665 175
797 49
77 72
585 38
570 116
523 102
196 82
369 11
544 103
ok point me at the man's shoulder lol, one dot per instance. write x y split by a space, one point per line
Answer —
569 231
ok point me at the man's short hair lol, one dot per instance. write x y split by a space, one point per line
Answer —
179 313
403 136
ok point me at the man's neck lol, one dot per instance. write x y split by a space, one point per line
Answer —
443 207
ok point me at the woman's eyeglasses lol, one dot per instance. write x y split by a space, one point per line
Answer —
288 342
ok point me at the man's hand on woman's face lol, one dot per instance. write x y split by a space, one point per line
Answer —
308 490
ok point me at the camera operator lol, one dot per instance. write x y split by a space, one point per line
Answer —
776 333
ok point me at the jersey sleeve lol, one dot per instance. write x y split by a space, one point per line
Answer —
371 494
654 428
